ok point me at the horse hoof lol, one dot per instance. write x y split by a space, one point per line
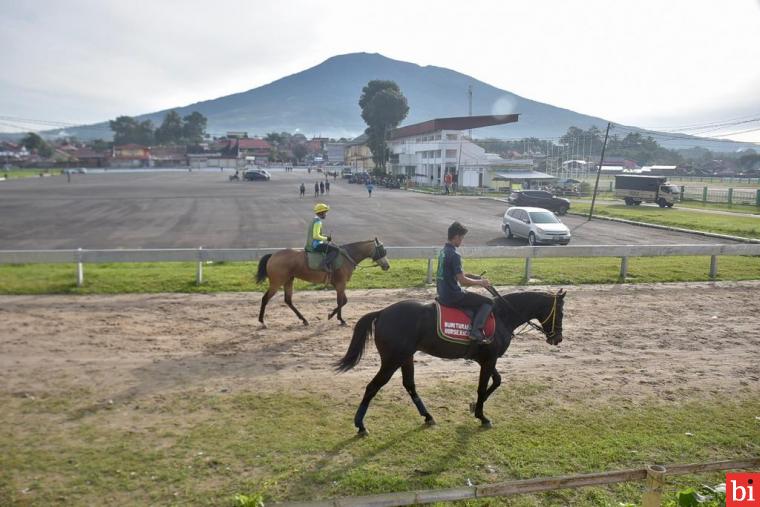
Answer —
343 323
306 323
263 326
486 425
430 422
362 433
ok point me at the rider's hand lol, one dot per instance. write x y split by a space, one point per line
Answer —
484 282
329 239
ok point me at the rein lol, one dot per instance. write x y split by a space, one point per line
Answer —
552 315
377 253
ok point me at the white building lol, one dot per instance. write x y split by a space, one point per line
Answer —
425 152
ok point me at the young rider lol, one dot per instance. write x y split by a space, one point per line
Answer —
450 278
317 242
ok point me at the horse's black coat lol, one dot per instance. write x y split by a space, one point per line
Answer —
405 327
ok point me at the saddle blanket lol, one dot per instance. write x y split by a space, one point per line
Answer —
454 325
314 259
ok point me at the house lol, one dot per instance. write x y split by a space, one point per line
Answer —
358 155
12 153
425 152
130 155
258 148
168 156
87 157
336 153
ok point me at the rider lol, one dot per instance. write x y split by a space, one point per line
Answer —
450 278
316 242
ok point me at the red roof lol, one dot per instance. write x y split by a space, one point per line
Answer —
455 123
253 144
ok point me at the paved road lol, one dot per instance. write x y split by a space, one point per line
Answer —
181 209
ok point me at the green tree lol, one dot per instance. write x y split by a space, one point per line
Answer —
127 129
194 127
33 142
299 151
170 131
383 107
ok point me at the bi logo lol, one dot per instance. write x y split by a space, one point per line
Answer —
742 490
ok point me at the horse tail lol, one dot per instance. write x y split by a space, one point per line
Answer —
261 274
362 333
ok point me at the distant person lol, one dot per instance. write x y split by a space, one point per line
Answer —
370 188
68 176
302 191
327 187
316 189
322 187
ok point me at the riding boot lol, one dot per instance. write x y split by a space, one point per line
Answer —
329 259
476 332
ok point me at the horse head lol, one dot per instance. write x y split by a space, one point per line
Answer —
548 310
379 255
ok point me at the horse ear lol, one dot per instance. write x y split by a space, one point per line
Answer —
561 293
377 241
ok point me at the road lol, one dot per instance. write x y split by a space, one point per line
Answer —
204 208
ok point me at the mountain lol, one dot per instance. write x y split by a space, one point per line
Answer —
323 101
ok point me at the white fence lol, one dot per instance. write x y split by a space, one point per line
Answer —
201 255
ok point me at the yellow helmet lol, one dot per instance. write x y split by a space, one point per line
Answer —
321 207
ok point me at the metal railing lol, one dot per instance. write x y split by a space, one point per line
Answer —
200 255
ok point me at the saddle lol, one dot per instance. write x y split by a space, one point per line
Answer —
314 261
453 324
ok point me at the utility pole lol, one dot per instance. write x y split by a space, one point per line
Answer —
469 94
599 172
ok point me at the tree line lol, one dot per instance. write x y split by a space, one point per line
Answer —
174 129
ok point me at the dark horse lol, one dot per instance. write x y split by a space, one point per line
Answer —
408 326
286 265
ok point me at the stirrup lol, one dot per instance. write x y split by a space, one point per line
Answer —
479 337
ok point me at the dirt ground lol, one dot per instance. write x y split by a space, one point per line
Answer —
629 342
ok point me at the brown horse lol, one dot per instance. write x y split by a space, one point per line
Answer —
286 265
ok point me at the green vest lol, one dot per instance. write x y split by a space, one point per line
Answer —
310 235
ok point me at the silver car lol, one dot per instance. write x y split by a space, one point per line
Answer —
537 225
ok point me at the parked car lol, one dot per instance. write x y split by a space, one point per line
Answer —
537 225
257 175
539 199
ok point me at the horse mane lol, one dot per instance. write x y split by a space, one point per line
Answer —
351 247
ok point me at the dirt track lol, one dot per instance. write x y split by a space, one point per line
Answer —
627 342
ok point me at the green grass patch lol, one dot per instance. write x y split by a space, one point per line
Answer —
748 227
238 277
14 174
734 208
196 448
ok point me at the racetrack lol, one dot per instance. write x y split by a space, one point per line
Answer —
202 208
630 342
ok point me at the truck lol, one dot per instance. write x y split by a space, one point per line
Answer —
637 189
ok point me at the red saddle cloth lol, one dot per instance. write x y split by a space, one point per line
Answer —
454 325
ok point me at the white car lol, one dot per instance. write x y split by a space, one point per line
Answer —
537 225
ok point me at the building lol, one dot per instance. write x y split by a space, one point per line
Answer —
358 154
258 148
336 153
168 156
130 155
425 152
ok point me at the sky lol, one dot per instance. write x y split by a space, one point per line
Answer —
690 66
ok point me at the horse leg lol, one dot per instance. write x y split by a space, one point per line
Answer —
407 370
271 291
289 301
382 378
342 300
487 369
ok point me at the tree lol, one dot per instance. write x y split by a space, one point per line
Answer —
194 128
383 107
299 151
127 129
33 142
170 131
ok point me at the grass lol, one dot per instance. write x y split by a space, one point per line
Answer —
198 448
748 227
27 173
236 277
735 208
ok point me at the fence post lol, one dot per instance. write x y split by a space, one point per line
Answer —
683 190
429 278
730 195
704 194
713 266
80 268
655 482
199 271
623 268
528 266
757 198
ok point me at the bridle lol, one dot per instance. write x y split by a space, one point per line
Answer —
529 322
377 253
